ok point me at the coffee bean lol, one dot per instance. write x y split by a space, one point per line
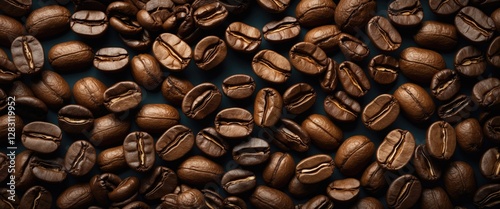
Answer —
252 152
36 197
354 14
89 23
435 198
211 143
238 86
125 192
445 84
201 101
161 181
312 13
136 204
138 149
27 54
404 192
469 135
4 166
76 196
446 8
209 52
353 79
490 129
233 202
495 16
368 202
353 48
437 36
71 56
174 89
459 171
299 98
146 71
354 154
122 17
382 34
51 88
9 71
48 21
441 140
89 92
234 123
325 36
274 6
172 52
383 69
487 196
343 190
279 170
329 79
242 37
111 59
16 8
152 15
23 174
373 178
396 149
198 170
212 199
420 64
485 93
341 107
271 66
291 136
112 159
101 185
282 30
267 197
323 132
31 107
457 109
415 102
314 169
489 164
48 170
174 143
493 52
12 29
470 62
80 158
381 112
426 167
75 119
42 137
237 181
405 13
210 15
157 118
300 190
308 58
138 42
109 130
122 96
267 107
474 25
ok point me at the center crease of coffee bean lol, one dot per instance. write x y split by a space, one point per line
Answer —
343 107
271 65
212 139
403 194
395 149
385 36
315 169
237 181
383 111
28 55
201 102
42 136
177 140
140 149
241 37
76 165
473 24
174 53
111 58
444 137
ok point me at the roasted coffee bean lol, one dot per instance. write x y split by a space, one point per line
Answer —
252 152
75 119
238 86
112 159
469 62
174 89
20 89
314 169
48 170
23 174
441 140
495 16
404 192
405 13
446 8
469 135
485 93
489 164
190 198
76 196
4 166
368 202
445 84
267 197
31 107
89 23
48 21
457 109
282 30
36 197
201 101
437 36
16 8
300 190
267 107
111 59
487 196
138 149
271 66
396 149
109 130
242 37
161 181
351 15
291 136
426 167
383 69
212 199
343 190
318 202
373 178
3 100
8 201
279 170
435 198
172 52
415 102
157 118
459 180
146 71
382 34
420 64
122 96
354 154
12 29
233 202
209 52
136 205
381 112
311 13
341 107
138 42
210 15
89 92
237 181
122 17
353 48
103 184
174 143
299 98
125 192
308 58
27 54
474 25
236 7
9 71
274 6
493 52
70 56
153 14
325 36
51 88
234 122
211 143
199 170
80 158
42 137
323 132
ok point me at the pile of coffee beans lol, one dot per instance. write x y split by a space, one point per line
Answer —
236 104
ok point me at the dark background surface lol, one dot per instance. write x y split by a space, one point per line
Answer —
240 63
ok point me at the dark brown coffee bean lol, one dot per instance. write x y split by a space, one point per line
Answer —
274 6
138 149
238 86
13 122
405 13
487 196
485 93
233 202
157 118
420 64
318 202
76 196
75 119
354 154
242 37
469 135
48 170
396 149
12 29
210 15
212 199
308 58
172 52
381 112
299 98
323 132
441 140
341 107
152 15
42 137
325 36
89 23
457 109
252 152
426 167
271 66
125 192
312 13
435 198
211 143
234 122
300 190
279 170
267 107
70 56
291 136
237 181
122 96
383 69
495 16
48 21
174 143
209 52
459 180
112 159
51 88
415 102
353 48
138 42
382 34
368 202
198 170
469 62
267 197
89 92
27 54
109 130
343 190
4 166
445 84
445 8
9 71
31 107
493 52
314 169
111 59
174 89
20 89
489 164
161 181
282 30
373 178
16 8
136 205
103 184
122 17
404 192
36 197
146 71
23 174
201 101
437 36
474 25
351 15
80 158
